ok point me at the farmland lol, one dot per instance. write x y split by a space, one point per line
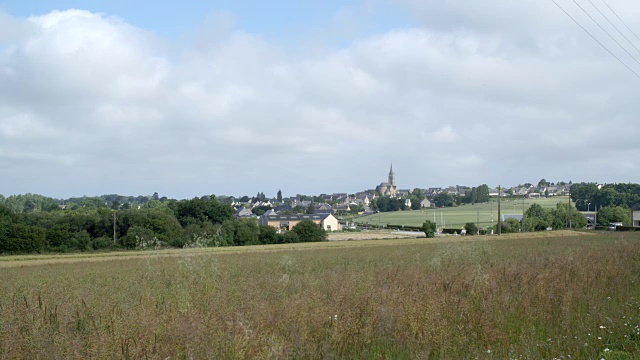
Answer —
545 295
456 217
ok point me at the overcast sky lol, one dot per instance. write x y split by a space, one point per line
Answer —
238 97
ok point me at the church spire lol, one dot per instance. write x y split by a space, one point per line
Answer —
392 177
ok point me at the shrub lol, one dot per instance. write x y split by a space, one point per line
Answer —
308 231
471 228
429 229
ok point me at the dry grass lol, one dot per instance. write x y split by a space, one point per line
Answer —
513 298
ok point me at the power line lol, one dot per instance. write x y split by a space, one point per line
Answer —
606 32
614 26
623 23
596 40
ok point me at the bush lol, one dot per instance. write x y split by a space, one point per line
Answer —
429 229
308 231
471 228
102 242
140 238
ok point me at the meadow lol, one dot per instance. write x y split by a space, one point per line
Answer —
458 216
552 295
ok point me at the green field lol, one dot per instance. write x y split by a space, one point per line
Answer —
456 217
543 295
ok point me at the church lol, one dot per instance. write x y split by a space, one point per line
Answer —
388 188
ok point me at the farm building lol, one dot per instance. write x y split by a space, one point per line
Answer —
636 214
287 222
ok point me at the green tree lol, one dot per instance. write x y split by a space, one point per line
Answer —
308 231
429 229
279 196
311 209
611 214
471 228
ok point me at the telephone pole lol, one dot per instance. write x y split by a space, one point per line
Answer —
499 211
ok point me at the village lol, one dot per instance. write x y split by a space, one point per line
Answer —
327 210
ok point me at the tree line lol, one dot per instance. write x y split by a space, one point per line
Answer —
199 222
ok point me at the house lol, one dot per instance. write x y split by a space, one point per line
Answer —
407 203
324 209
287 222
425 203
244 213
636 214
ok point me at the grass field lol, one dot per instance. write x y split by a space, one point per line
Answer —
539 296
456 217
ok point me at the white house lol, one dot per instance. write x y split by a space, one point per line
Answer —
425 203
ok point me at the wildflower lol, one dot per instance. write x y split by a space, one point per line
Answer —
602 327
606 350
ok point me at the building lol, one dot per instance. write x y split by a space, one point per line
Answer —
388 188
635 210
244 213
287 222
425 203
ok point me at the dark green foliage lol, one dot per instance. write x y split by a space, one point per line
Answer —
308 231
444 199
610 214
260 210
139 237
385 204
429 229
510 225
471 228
267 235
625 195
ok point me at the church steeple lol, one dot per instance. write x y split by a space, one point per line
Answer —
392 176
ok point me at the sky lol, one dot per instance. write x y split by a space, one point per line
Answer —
237 97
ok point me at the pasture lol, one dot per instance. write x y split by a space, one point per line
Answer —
539 296
456 217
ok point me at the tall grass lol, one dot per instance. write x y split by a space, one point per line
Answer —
566 297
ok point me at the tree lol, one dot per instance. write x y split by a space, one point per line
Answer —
510 225
429 229
542 183
443 199
311 209
471 228
418 193
279 196
611 214
308 231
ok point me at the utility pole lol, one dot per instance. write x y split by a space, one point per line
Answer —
499 210
569 211
114 226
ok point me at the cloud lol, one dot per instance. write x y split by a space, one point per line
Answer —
90 104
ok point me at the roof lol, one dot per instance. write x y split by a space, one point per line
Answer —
296 217
636 207
513 216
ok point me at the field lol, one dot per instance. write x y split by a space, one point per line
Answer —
548 295
456 217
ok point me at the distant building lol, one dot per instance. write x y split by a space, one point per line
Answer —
636 214
425 203
388 188
244 213
287 222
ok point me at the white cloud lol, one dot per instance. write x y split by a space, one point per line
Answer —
101 106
